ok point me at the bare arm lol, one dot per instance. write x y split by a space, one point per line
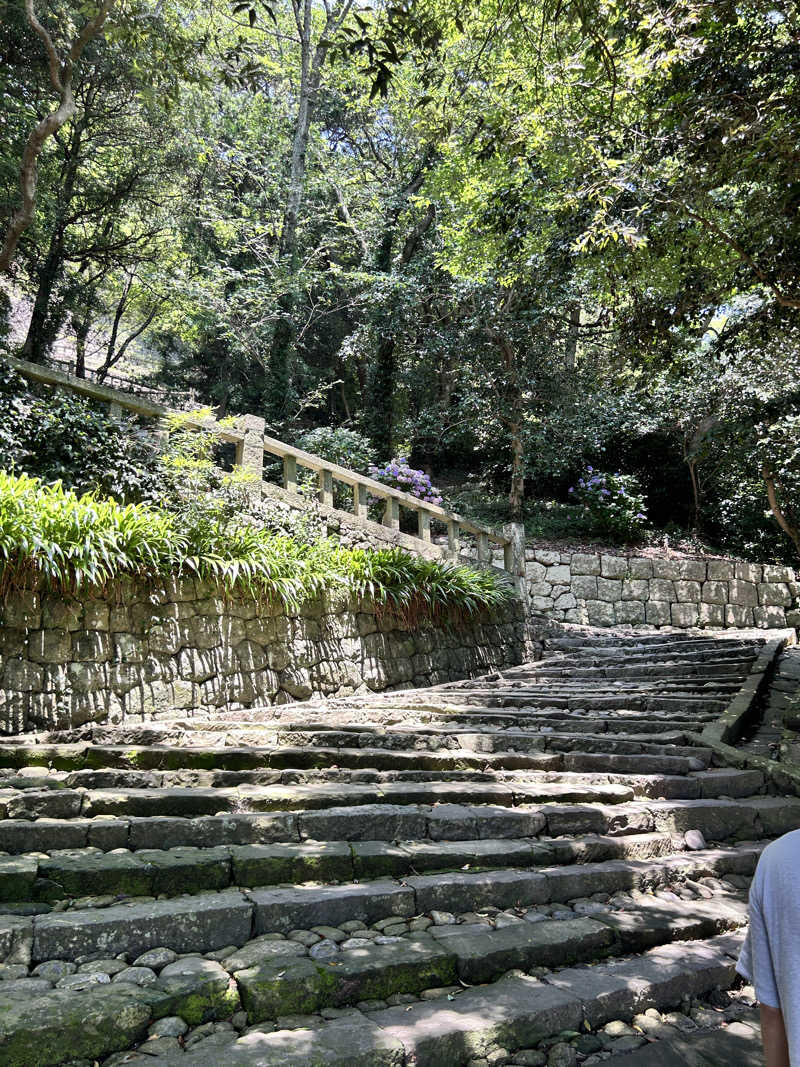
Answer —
773 1033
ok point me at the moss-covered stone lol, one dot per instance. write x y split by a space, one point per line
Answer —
379 971
198 990
43 1030
186 870
255 865
17 876
285 987
112 873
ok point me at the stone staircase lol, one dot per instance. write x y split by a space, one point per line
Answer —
544 866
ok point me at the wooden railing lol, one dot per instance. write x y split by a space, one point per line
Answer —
251 443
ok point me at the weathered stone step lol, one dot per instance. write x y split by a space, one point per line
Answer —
511 1013
471 954
722 670
455 751
387 764
567 684
212 920
199 801
187 869
527 783
591 700
194 800
648 643
46 1029
720 819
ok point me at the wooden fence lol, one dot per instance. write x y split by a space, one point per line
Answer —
251 443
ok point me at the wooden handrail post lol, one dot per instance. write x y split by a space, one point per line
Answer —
250 451
424 524
290 474
325 488
453 537
360 501
391 513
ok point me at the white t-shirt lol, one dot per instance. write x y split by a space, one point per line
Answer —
770 956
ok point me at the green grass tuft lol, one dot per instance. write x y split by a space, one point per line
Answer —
70 543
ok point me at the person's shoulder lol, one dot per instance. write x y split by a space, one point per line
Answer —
784 851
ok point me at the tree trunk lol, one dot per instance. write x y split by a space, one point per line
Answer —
381 398
61 72
791 529
281 355
692 465
517 491
383 368
81 326
512 417
41 333
571 347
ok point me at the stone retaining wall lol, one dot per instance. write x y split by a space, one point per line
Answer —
606 590
189 648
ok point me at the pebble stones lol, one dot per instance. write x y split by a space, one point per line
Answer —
324 950
694 840
156 958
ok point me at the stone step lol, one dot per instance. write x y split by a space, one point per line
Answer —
39 1027
138 798
481 752
512 1013
205 801
188 869
613 643
645 776
718 819
627 700
718 670
208 921
567 685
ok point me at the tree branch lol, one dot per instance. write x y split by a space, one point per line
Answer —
61 80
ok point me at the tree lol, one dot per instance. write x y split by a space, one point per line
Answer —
61 67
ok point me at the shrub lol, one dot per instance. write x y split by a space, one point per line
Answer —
348 448
399 475
58 436
614 503
50 534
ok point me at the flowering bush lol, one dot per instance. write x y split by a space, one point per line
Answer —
399 475
614 502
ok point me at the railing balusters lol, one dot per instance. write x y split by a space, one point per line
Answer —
453 537
290 474
325 488
360 501
424 524
251 443
391 513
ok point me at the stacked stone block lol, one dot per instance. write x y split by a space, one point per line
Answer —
600 589
141 653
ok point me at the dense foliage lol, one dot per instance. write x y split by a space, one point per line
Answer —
50 534
505 241
614 503
58 436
